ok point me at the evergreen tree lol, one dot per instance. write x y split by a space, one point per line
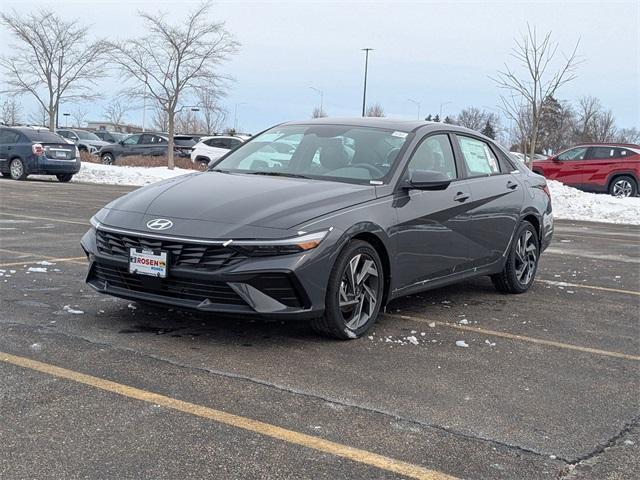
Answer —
436 118
489 130
428 118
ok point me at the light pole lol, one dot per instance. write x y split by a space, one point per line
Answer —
321 99
59 78
66 119
417 103
366 67
235 116
442 105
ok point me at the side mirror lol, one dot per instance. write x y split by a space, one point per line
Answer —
427 180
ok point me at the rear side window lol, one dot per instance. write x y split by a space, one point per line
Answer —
436 155
623 152
9 136
478 157
601 153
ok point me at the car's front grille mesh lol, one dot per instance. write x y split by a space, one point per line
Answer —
187 289
201 257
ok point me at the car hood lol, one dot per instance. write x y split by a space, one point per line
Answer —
220 203
95 143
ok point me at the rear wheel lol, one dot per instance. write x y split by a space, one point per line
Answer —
17 170
624 186
64 177
108 159
354 293
522 262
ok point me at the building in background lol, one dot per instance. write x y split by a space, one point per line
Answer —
113 127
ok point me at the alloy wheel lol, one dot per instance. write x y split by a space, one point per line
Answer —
17 169
526 257
107 159
359 289
622 188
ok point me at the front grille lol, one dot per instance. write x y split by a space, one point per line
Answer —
186 289
200 257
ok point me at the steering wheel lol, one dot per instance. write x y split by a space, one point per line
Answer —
375 171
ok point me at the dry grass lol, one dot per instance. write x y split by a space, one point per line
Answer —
143 161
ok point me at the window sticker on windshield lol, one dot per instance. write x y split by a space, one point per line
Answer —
400 134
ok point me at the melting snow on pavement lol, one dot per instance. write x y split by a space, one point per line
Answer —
68 309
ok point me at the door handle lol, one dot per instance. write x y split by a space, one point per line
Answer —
512 185
461 197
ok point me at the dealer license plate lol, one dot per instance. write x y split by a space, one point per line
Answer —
61 154
148 262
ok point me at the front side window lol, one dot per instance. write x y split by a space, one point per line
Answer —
9 136
132 140
331 152
478 157
573 154
435 155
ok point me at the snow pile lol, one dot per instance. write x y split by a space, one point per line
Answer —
572 204
116 175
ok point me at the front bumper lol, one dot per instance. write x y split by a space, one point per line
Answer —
284 286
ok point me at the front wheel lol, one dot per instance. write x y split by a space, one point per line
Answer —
624 186
64 177
354 293
522 262
108 159
17 170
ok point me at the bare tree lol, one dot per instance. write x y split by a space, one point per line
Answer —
172 61
317 113
537 83
188 121
588 109
53 60
213 115
115 111
40 117
476 119
604 127
160 119
11 112
628 135
375 110
79 116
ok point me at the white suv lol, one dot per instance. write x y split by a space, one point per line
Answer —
212 148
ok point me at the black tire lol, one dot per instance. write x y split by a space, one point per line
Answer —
623 186
522 262
364 300
64 177
108 159
17 170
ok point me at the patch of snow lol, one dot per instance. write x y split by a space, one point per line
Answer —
36 347
572 204
491 344
413 340
461 343
119 175
432 325
68 309
464 321
44 262
131 306
37 269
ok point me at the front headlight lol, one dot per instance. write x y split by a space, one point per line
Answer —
263 248
97 219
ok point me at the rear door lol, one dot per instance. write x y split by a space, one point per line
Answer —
8 140
498 195
598 165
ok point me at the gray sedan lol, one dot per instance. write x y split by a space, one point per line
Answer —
356 213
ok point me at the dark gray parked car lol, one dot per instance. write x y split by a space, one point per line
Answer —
150 144
358 212
85 140
27 150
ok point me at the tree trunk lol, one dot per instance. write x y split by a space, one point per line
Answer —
171 163
52 117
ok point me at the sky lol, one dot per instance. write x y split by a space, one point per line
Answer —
439 54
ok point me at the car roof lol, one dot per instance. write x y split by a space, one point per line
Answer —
387 123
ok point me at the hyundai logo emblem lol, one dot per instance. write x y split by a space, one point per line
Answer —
159 224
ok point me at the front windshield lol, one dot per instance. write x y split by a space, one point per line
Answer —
331 152
82 135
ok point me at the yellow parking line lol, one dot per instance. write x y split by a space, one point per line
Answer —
524 338
309 441
60 220
591 287
76 260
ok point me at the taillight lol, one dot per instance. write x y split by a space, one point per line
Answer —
545 189
37 149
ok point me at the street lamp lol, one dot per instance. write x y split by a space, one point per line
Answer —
442 105
417 103
366 67
235 116
321 98
66 119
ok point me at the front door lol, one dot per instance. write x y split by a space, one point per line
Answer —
568 166
431 235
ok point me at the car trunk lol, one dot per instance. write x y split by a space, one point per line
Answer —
59 151
183 144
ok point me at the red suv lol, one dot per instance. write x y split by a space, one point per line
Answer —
598 167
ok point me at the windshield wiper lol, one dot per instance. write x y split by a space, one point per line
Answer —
279 174
219 170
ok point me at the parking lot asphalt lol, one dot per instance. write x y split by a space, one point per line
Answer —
97 387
